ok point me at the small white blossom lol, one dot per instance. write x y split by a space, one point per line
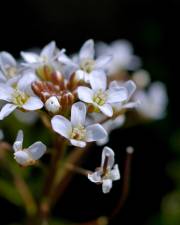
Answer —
85 64
9 69
52 105
27 156
123 57
153 101
141 78
75 130
47 56
18 97
101 97
130 87
107 172
28 118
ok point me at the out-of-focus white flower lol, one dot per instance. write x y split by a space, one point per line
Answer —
28 118
75 130
153 101
107 172
85 64
27 156
1 135
101 97
123 57
46 57
18 97
130 87
9 69
141 78
52 105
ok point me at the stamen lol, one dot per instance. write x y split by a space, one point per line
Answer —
78 133
87 65
99 97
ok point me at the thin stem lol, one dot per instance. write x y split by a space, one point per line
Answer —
74 158
60 145
77 169
44 206
25 193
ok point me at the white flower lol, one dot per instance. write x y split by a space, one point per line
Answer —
123 57
142 78
85 64
28 118
75 130
101 97
52 105
153 101
30 155
130 87
47 56
8 67
107 172
18 97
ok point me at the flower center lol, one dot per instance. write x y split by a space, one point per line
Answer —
78 133
10 71
100 97
87 65
19 97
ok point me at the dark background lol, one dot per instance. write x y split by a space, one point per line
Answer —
153 29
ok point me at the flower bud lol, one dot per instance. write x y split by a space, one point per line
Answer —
52 105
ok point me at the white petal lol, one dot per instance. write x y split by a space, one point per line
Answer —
106 186
131 87
131 105
65 60
6 110
103 141
95 132
22 157
2 77
7 59
67 66
5 92
106 109
85 94
48 50
29 117
98 80
115 96
102 61
80 144
30 57
95 177
33 103
107 152
36 150
115 174
26 80
87 50
80 75
17 146
78 114
62 126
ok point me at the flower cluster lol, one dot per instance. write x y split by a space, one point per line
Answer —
85 96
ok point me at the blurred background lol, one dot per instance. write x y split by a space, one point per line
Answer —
152 28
